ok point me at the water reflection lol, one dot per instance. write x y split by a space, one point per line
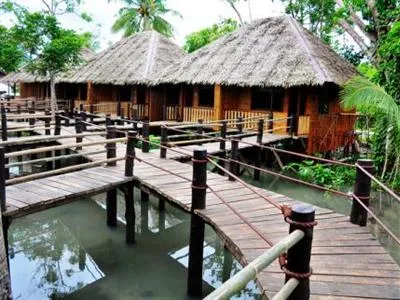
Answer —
69 252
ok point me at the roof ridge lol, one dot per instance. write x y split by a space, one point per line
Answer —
152 51
315 64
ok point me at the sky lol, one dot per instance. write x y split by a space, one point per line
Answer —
196 14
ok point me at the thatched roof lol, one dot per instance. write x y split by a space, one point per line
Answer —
275 51
133 60
23 76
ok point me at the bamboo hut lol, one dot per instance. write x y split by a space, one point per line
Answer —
38 87
122 74
271 65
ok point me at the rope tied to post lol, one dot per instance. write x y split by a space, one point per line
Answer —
283 264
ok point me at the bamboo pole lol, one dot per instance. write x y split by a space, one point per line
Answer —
62 147
240 280
287 289
50 138
62 170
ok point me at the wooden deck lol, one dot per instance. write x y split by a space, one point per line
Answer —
347 260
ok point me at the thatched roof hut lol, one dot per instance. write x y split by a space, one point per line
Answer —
133 60
270 52
27 77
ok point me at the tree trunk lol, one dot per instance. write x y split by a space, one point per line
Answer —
53 99
236 11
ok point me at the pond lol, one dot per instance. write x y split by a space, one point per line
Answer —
68 252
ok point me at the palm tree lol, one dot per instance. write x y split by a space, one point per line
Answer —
141 15
364 96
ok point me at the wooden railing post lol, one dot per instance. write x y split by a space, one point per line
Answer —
164 142
298 256
4 134
270 126
84 119
199 130
31 111
233 166
130 215
145 137
362 189
239 125
78 129
18 109
111 147
199 186
47 123
66 119
222 147
292 124
108 120
57 129
130 153
81 107
3 177
258 150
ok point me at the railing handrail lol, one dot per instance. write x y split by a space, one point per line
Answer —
240 280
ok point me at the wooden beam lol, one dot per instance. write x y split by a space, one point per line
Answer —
218 111
89 96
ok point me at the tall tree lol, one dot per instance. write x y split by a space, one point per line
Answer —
141 15
50 49
366 22
234 5
11 56
207 35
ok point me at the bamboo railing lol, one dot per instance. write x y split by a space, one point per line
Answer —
250 117
172 113
303 127
193 114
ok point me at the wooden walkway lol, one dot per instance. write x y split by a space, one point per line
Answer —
347 260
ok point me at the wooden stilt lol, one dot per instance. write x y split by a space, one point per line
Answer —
111 204
195 270
130 215
222 147
362 189
258 150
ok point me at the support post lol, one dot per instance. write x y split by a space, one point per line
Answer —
31 111
199 186
18 109
298 257
108 120
199 130
3 178
270 122
144 196
145 136
222 147
130 215
81 107
164 142
84 119
258 150
4 134
78 129
362 189
292 124
57 129
91 111
111 147
233 166
47 123
67 119
239 125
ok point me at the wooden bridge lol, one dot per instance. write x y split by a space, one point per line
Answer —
347 261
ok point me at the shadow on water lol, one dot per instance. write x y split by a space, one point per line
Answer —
68 252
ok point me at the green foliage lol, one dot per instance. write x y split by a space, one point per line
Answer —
368 71
207 35
154 142
11 55
141 15
389 67
328 176
50 48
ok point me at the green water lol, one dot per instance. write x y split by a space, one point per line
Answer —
68 252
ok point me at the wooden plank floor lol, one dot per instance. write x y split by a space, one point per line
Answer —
347 260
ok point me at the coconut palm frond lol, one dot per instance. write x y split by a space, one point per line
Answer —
361 94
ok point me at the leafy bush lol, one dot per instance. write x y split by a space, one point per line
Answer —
328 176
154 142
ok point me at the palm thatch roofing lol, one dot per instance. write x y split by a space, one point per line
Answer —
133 60
27 77
269 52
